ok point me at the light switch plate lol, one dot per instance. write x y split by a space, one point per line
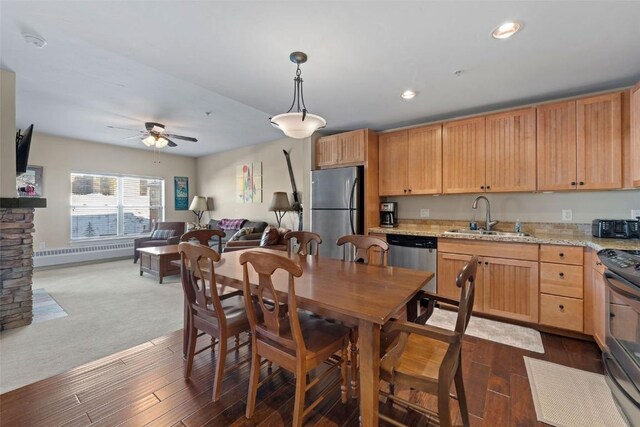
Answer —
635 213
567 214
424 213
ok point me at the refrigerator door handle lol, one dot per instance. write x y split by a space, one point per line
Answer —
353 190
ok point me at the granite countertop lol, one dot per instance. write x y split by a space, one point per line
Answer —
549 237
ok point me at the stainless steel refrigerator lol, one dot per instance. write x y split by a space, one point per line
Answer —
337 207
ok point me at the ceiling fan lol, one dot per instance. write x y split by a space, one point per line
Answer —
155 136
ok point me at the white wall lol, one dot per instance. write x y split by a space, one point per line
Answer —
217 179
528 207
60 156
7 134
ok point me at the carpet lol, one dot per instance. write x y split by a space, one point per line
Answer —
503 333
110 308
44 307
568 397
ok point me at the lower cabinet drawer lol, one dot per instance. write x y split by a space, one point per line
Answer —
561 279
561 312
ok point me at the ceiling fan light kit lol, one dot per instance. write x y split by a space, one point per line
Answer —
299 124
155 136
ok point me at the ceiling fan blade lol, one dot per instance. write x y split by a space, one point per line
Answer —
171 143
134 137
132 130
185 138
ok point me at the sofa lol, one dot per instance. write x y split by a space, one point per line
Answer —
232 226
150 241
276 241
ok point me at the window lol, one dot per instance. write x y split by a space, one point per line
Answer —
114 206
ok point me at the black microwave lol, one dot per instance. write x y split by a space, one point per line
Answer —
615 228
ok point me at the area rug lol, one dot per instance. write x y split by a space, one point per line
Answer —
568 397
44 307
503 333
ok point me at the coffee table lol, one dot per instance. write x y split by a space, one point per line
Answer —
157 261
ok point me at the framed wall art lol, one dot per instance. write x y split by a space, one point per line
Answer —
249 183
181 192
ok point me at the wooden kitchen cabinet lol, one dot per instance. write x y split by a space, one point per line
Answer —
635 135
411 161
556 146
344 149
510 288
449 266
463 156
599 142
511 151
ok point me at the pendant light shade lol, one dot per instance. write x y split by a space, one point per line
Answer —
299 124
294 127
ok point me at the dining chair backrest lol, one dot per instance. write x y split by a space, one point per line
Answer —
465 280
204 236
308 242
198 284
362 245
279 322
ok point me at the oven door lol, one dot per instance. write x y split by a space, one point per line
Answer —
623 341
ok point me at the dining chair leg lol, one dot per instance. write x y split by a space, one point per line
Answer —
344 387
353 344
191 350
220 359
301 388
444 413
254 378
462 398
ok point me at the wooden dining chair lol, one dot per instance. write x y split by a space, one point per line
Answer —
292 339
206 310
204 236
364 245
428 358
308 242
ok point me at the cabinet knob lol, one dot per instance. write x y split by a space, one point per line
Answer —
561 306
482 187
486 263
573 183
479 262
405 190
561 274
409 190
488 187
581 183
561 254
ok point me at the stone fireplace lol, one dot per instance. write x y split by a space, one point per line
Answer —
16 261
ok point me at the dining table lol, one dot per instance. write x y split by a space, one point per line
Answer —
359 294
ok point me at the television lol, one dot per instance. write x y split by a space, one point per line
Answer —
23 143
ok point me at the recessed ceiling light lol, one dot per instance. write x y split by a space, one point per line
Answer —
506 30
408 94
35 40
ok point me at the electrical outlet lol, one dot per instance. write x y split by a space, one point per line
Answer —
567 214
635 213
424 213
42 245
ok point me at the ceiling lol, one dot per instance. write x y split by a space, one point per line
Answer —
122 63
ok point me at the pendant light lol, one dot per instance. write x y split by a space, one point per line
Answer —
299 124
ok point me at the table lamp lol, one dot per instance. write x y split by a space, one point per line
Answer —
280 205
198 206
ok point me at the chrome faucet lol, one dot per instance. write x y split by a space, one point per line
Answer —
488 222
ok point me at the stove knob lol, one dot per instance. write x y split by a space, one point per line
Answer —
637 266
611 253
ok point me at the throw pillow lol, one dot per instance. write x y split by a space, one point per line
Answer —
242 232
270 236
162 234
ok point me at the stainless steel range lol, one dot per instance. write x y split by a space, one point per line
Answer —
622 358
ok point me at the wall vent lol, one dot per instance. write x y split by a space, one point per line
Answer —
82 253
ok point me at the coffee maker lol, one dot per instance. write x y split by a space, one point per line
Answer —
389 215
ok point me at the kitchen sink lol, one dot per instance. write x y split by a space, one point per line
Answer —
461 232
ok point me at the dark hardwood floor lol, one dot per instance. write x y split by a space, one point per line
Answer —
144 386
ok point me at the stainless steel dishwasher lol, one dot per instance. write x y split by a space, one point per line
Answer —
417 252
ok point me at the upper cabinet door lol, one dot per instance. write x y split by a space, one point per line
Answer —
511 151
352 147
635 135
463 156
424 171
557 146
392 148
327 151
599 135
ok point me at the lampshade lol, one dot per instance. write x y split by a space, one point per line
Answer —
280 202
294 127
198 204
149 141
161 142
